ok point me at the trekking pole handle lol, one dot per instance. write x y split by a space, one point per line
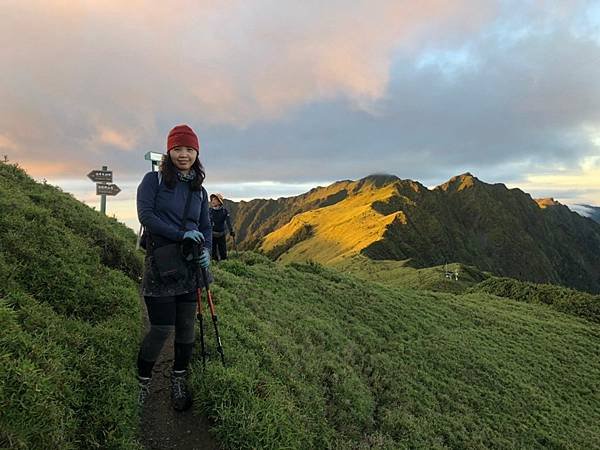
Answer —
196 254
195 246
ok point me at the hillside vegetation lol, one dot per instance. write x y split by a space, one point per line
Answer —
320 359
316 358
471 280
402 274
560 298
498 230
69 321
256 218
338 231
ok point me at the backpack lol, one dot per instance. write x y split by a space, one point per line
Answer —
142 241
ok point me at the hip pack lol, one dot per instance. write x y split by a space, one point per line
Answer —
169 258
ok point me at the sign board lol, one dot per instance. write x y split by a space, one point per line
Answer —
101 176
153 156
107 189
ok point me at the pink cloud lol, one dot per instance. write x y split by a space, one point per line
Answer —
6 144
82 76
228 61
117 139
52 168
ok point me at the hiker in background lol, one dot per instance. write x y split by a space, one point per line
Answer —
173 207
219 217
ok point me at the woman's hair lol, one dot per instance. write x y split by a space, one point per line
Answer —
169 173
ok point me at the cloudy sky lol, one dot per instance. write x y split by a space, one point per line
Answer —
286 94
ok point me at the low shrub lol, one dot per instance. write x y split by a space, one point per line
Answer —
570 301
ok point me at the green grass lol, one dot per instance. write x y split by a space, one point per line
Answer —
471 280
69 321
402 274
317 358
560 298
320 359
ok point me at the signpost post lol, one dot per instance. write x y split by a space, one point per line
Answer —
103 179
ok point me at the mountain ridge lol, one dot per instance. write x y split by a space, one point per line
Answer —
497 229
589 211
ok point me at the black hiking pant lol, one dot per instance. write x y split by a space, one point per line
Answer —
167 314
219 247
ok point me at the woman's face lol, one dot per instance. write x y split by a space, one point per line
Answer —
183 157
215 202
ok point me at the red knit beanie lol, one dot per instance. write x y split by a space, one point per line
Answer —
184 136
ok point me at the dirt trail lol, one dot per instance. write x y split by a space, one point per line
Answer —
161 426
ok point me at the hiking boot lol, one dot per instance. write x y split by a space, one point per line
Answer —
144 384
180 394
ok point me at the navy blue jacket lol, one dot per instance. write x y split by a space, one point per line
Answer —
219 217
160 209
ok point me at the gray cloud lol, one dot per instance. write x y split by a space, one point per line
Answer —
517 108
302 94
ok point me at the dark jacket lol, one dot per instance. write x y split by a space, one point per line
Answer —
219 217
160 211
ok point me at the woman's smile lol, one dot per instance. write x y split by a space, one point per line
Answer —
183 157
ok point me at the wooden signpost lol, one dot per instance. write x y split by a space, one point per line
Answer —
103 179
107 189
100 176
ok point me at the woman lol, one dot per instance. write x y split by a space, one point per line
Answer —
162 198
219 217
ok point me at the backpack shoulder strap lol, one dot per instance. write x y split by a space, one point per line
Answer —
145 234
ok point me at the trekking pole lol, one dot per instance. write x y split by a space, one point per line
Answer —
234 244
139 238
213 315
199 312
211 307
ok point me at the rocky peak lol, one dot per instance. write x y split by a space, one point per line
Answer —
547 202
460 182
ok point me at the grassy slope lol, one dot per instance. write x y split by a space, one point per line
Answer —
401 274
69 321
560 298
337 231
318 359
471 280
